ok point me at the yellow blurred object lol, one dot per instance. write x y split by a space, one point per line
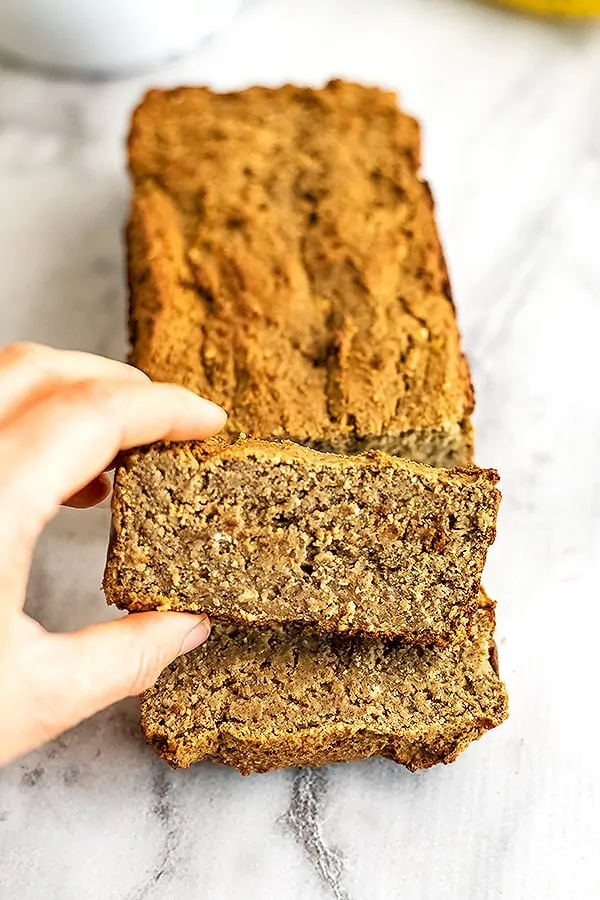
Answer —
570 8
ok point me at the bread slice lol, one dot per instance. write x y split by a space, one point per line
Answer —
260 699
284 262
267 533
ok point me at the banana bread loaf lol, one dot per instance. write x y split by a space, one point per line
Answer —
259 699
265 533
284 262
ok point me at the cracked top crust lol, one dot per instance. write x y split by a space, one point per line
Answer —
284 262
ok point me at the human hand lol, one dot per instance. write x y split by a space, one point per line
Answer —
63 418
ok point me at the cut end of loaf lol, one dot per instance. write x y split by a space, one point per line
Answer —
261 533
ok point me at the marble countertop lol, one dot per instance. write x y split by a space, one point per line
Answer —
511 115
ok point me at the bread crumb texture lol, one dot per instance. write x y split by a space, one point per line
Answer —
260 699
265 533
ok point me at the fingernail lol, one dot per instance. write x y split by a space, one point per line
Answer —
215 412
196 636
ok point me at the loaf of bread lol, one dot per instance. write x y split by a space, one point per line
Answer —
259 533
259 699
284 262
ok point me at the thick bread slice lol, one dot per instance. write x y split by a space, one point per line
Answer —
266 533
259 699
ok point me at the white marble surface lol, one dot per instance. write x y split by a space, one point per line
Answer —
511 113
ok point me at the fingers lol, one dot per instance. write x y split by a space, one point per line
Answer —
90 669
61 442
25 368
93 493
105 663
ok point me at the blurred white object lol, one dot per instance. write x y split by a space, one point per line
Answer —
108 37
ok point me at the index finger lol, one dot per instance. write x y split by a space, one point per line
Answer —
25 368
65 438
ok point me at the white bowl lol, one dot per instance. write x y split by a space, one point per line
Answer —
107 37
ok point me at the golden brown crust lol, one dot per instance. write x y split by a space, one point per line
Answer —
284 261
493 655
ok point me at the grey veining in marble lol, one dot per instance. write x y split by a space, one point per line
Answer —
511 115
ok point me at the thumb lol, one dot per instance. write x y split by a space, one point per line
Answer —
94 667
